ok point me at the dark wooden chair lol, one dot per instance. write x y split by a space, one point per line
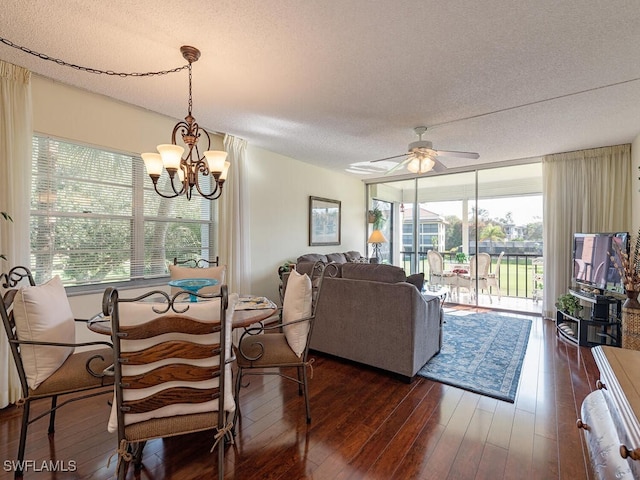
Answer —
42 333
169 379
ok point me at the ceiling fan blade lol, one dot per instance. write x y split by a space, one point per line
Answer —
397 166
450 153
388 158
438 166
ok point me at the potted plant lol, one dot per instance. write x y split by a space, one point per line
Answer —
569 304
461 257
376 217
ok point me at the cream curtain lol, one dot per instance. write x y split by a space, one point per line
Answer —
584 191
16 131
234 234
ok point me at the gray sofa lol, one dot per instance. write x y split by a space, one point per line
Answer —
371 315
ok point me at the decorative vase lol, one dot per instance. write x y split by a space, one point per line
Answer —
631 321
632 300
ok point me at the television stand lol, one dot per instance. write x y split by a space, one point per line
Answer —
602 325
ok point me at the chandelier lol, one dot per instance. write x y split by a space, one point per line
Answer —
184 170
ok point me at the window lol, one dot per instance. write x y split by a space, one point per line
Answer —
95 217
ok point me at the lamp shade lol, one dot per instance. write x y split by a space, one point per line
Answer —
153 163
377 237
171 155
215 160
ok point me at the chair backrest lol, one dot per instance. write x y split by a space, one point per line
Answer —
200 263
497 270
11 282
435 262
479 265
484 263
198 269
169 355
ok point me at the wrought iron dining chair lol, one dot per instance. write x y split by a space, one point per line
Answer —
200 263
274 348
40 328
478 272
201 268
172 370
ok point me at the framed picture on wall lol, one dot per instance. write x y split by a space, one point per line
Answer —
324 221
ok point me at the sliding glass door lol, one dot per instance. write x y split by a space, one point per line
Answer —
469 219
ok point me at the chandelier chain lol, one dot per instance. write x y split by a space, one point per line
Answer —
190 98
97 71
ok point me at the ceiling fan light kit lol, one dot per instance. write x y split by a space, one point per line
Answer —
422 158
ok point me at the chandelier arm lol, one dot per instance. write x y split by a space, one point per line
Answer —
215 194
155 187
173 187
217 187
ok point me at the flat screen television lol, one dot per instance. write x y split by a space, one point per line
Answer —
594 260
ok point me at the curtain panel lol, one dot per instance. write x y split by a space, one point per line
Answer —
234 234
16 130
584 191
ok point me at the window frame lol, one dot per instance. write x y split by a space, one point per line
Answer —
140 186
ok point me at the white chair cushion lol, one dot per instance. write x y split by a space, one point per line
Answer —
297 305
42 313
136 313
218 273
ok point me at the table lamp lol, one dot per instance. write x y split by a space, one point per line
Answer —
376 238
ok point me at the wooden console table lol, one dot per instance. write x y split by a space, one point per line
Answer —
609 415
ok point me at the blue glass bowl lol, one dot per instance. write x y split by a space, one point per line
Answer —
193 285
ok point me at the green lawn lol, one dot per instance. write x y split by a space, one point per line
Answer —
516 276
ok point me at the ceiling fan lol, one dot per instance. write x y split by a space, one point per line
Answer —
422 158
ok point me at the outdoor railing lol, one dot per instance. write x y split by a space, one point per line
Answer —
520 275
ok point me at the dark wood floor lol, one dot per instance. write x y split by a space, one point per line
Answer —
366 425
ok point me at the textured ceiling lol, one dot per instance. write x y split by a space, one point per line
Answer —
335 83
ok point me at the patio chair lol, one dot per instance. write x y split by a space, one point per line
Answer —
493 278
437 274
268 349
478 273
41 330
173 370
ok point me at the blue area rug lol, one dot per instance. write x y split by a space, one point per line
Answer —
481 352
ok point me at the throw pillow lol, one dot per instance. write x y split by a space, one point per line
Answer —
136 313
42 313
218 273
417 279
337 258
296 306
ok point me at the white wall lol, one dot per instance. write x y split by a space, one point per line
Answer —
635 186
279 186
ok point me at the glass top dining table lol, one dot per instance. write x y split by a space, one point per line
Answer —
241 319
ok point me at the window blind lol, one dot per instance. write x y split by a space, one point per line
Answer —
95 217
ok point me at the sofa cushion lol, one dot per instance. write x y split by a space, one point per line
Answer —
42 313
312 257
337 257
296 306
353 256
417 279
373 272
